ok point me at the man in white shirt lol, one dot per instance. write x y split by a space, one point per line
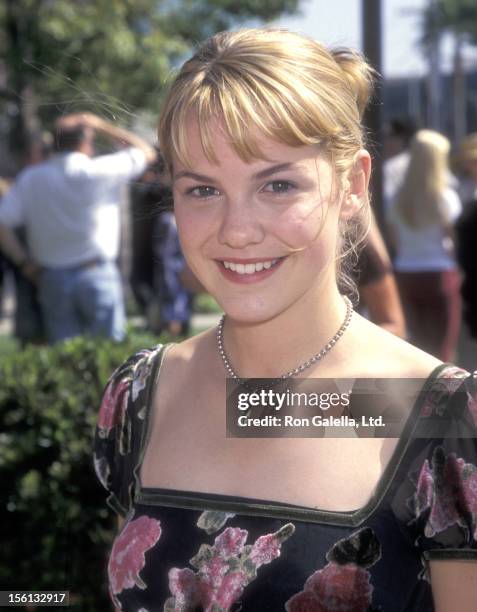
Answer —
69 206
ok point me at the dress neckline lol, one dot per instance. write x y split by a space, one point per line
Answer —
200 501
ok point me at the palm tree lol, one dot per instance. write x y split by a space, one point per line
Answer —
459 18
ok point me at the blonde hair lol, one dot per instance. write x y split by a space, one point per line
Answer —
419 202
288 86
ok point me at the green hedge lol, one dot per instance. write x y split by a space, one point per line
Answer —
55 529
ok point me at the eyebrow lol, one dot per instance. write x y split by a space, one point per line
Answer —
258 175
272 170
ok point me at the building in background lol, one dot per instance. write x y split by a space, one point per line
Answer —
409 96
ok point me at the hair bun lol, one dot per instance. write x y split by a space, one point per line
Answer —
359 75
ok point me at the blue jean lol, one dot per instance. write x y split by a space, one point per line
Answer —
82 301
28 315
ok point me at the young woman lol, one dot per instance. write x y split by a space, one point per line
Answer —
261 131
421 222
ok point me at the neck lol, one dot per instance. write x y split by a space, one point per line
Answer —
271 348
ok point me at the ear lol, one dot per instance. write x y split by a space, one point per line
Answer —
356 186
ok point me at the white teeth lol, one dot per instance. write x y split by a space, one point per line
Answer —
249 268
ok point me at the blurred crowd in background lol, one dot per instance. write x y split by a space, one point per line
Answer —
63 228
69 216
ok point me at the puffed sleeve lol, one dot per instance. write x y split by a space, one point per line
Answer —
437 501
121 427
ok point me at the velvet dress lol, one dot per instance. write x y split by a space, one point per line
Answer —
190 552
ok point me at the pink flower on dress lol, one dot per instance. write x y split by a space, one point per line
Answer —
446 384
230 542
306 601
131 377
184 587
230 589
128 554
448 486
424 489
343 585
335 588
113 406
223 570
265 550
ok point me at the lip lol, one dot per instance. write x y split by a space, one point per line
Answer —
247 279
247 261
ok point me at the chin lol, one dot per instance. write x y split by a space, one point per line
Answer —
249 312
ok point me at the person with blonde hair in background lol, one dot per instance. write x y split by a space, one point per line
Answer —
261 133
421 228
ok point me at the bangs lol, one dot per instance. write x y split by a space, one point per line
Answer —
245 107
273 84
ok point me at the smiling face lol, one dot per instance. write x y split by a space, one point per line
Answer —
260 236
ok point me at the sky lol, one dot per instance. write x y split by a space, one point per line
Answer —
338 23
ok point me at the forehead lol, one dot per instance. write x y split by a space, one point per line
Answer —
270 151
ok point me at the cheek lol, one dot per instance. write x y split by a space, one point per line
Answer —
193 226
303 226
187 236
184 227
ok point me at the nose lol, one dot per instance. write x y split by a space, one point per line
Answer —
240 225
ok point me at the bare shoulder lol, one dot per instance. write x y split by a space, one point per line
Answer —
390 356
183 377
191 357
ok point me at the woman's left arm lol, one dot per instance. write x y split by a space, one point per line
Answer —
454 585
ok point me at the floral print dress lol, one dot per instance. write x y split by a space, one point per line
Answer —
188 552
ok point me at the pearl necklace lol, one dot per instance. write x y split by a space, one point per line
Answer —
305 365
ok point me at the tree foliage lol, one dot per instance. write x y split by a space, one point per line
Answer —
110 56
457 16
55 528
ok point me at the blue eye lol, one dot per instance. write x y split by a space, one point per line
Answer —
202 191
279 187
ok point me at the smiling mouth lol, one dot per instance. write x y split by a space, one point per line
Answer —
250 268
